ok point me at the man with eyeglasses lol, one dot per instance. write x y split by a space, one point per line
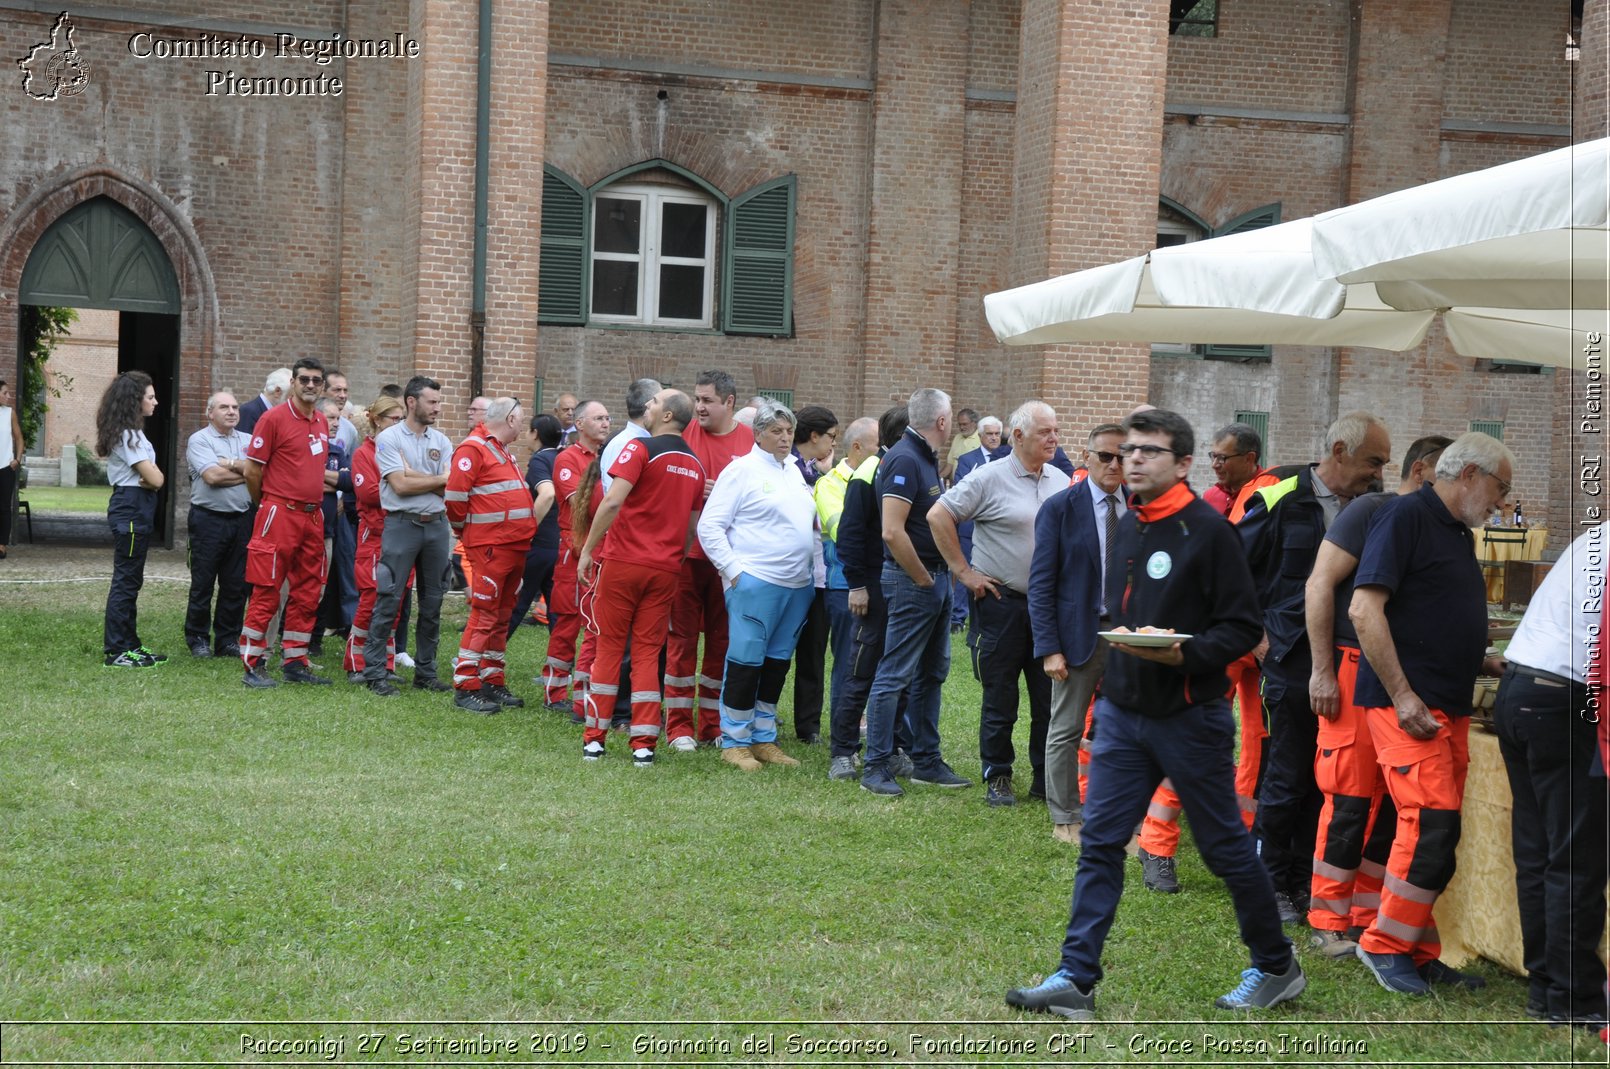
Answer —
1075 537
285 477
1237 459
1178 568
1282 531
1420 608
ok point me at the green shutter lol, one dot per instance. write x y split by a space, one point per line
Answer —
1257 219
782 397
758 273
536 397
562 285
1493 427
1259 421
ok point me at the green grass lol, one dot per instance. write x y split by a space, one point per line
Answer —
175 847
67 499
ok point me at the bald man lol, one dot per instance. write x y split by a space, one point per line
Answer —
220 527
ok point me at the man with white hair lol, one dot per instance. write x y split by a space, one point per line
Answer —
275 387
489 508
916 585
990 447
220 527
1285 523
1002 500
1420 608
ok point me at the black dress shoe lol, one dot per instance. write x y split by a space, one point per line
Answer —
297 672
199 648
256 677
435 686
382 688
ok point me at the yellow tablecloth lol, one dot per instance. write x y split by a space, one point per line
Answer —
1476 915
1531 549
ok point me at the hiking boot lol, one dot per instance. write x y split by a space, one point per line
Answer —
769 753
433 686
878 781
502 696
1289 913
1158 873
841 768
1067 833
200 649
592 751
256 677
940 775
1395 972
900 765
1259 990
297 672
1436 971
1333 944
1057 994
383 688
356 677
999 791
741 758
642 757
473 701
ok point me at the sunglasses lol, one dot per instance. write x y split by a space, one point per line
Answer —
310 380
1108 458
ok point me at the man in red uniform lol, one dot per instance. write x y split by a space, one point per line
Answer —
701 604
592 431
289 447
640 535
489 508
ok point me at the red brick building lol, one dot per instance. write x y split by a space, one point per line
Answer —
815 196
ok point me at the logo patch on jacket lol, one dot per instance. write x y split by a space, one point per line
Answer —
1159 565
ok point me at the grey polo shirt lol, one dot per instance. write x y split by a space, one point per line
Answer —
207 448
130 449
1002 498
424 454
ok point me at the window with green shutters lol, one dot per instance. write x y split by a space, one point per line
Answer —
562 284
647 275
782 397
1491 427
1256 219
759 276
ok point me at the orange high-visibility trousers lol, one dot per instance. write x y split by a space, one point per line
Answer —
1426 779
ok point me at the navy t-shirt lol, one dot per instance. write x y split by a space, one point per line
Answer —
1348 533
910 472
540 470
1425 557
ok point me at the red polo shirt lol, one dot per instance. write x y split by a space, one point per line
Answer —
667 485
568 468
292 448
715 452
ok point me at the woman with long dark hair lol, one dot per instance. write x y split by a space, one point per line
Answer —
131 468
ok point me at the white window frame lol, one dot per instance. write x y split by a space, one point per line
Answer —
653 198
1190 234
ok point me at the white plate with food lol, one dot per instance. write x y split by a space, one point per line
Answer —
1143 638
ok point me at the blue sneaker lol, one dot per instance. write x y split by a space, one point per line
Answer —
879 782
1395 972
1259 990
1436 971
1058 994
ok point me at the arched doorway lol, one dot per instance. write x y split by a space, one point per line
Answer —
100 255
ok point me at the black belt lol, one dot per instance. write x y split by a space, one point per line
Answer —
1537 675
419 519
1008 592
216 512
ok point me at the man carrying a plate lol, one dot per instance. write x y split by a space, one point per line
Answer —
1163 713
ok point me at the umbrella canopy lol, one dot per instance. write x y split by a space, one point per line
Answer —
1516 265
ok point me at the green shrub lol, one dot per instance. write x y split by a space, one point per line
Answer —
91 472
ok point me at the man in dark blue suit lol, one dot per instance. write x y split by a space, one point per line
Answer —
274 390
1072 535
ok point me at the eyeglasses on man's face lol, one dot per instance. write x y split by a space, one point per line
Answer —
310 380
1220 458
1147 452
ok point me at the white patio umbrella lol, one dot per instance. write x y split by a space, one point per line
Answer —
1265 286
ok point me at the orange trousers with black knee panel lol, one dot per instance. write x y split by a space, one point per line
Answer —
1426 779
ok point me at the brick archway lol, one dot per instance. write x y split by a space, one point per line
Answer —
198 297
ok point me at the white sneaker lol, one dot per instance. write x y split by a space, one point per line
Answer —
684 744
642 757
592 751
404 661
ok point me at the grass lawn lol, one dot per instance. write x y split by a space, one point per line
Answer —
68 499
177 848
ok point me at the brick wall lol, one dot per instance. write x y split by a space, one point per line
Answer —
1276 55
81 367
1506 62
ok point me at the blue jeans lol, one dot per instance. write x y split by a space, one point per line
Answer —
1129 756
916 655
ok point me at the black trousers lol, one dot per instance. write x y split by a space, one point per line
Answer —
1003 650
538 579
844 718
130 513
1289 800
1557 832
8 500
810 662
217 559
